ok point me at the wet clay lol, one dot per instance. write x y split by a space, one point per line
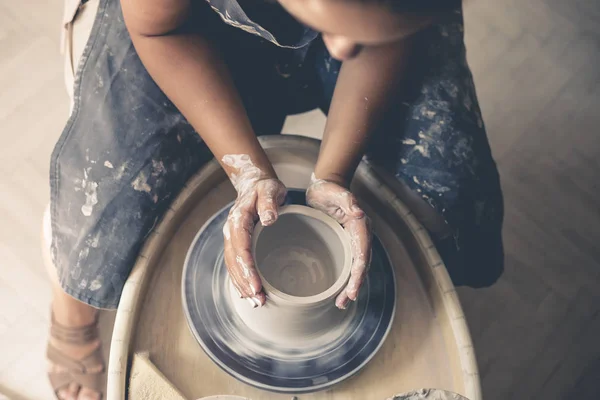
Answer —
291 326
300 255
304 260
297 270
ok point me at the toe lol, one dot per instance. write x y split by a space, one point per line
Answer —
88 394
70 392
63 394
74 390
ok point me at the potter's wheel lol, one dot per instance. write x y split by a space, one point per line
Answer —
316 363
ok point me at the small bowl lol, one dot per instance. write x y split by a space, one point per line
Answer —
304 261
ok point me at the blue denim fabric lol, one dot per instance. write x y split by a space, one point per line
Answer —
126 151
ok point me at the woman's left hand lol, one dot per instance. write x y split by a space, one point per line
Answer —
340 204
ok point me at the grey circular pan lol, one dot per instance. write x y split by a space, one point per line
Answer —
247 356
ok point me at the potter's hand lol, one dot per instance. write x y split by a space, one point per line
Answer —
259 196
337 202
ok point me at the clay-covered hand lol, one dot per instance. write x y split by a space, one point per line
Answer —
339 203
259 196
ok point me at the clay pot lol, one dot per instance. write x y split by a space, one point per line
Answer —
304 261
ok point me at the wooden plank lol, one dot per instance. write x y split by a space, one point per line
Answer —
580 360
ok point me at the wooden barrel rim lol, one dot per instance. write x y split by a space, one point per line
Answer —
204 180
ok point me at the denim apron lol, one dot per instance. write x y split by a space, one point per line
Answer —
126 151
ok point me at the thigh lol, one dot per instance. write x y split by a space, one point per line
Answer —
124 155
442 153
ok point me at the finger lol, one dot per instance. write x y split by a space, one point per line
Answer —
261 298
235 220
281 194
88 394
243 263
360 238
246 274
357 277
241 288
72 391
65 394
230 263
270 194
342 300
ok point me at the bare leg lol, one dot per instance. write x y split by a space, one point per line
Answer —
68 312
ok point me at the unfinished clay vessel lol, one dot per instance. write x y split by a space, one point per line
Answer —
304 261
298 342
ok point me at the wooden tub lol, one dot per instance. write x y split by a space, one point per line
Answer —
429 345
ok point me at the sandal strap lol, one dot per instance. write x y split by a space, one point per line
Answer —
77 335
59 380
57 357
77 371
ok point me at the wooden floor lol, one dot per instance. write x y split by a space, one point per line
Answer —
536 66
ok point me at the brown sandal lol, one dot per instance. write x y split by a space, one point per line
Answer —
75 370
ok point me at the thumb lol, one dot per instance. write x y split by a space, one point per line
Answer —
270 195
349 205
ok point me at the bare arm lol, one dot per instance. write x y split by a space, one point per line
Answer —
364 87
192 74
190 71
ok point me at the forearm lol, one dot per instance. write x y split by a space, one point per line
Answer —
194 77
361 97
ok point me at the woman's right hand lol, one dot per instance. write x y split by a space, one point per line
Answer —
259 196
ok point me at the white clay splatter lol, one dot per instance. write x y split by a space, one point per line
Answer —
83 255
428 113
246 175
96 283
140 183
244 266
93 241
119 172
158 168
423 150
226 232
91 198
253 289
